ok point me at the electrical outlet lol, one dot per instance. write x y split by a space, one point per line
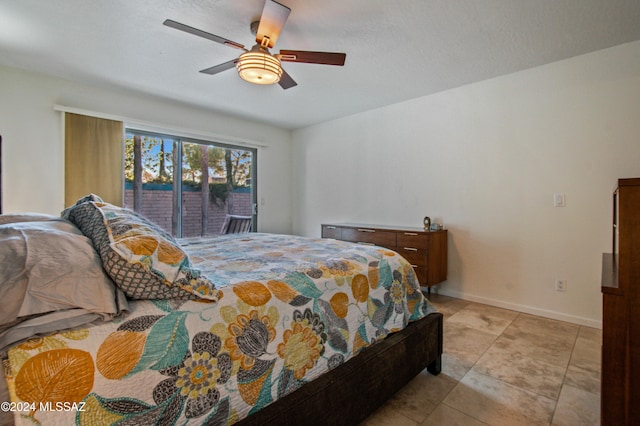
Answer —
561 285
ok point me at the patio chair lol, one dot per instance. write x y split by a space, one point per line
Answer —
234 224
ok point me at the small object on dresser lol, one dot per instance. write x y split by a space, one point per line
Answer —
427 223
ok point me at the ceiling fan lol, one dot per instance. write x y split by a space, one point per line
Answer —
258 65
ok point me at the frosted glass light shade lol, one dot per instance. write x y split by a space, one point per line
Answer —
259 68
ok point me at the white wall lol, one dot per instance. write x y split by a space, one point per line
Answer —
486 159
33 145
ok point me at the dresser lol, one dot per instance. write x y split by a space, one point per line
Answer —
620 374
426 251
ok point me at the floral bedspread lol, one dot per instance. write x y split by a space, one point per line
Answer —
291 309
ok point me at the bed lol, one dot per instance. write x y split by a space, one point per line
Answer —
243 328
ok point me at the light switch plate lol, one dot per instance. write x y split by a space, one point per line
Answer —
558 200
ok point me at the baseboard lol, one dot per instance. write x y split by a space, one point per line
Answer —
521 308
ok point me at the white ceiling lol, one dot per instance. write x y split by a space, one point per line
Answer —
396 50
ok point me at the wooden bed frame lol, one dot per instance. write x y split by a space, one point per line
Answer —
336 398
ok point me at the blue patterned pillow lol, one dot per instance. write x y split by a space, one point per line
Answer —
142 259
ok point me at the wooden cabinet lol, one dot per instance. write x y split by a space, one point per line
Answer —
426 251
620 377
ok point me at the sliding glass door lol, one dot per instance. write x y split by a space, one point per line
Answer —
188 186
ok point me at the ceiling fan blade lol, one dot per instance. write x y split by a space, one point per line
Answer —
274 15
286 81
203 34
325 58
219 68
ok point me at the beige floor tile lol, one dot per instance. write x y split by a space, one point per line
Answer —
455 366
587 354
483 317
432 388
413 402
583 379
592 334
447 416
525 373
463 346
544 327
500 367
577 407
447 305
554 349
387 416
497 403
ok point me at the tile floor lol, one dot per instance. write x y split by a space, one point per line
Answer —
502 367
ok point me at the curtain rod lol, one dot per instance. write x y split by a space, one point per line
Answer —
159 128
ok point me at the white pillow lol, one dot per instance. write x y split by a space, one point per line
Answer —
49 266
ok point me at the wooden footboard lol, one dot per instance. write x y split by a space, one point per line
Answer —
349 393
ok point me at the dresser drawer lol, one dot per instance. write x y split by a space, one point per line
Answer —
331 231
412 239
413 255
421 273
370 236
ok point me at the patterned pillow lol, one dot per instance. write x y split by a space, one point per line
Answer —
143 260
90 197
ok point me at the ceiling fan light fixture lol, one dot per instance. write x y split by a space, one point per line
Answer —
258 66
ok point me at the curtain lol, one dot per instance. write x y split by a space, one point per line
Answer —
93 158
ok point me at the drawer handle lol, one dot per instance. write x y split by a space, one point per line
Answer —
411 234
365 244
331 227
365 230
414 266
411 249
